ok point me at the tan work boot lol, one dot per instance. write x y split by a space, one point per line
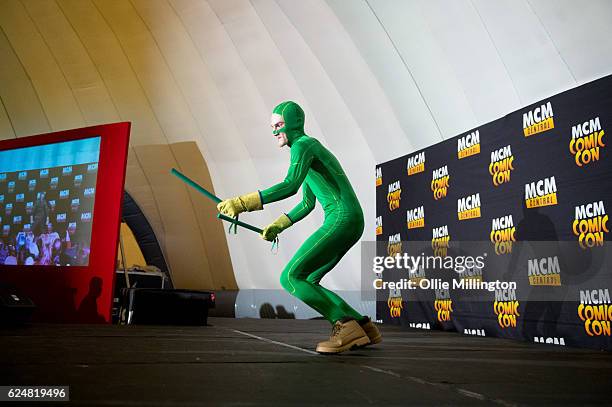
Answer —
371 330
345 335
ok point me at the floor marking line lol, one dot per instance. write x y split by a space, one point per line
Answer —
463 392
375 369
472 394
275 342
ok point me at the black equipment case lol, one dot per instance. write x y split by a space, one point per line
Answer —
151 306
15 307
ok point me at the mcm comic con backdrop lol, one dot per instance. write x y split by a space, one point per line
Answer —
531 193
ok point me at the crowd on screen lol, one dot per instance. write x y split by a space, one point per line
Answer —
41 243
45 249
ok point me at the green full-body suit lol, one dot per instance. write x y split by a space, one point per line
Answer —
318 172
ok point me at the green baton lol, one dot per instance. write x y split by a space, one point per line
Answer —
214 198
240 223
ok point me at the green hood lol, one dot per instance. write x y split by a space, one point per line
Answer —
293 116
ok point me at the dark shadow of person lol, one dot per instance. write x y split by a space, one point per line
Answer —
281 313
88 309
266 311
544 302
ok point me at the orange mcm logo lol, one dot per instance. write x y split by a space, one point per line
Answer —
416 164
394 195
440 241
440 183
590 224
587 142
394 247
538 120
378 176
502 165
595 310
503 234
507 313
506 308
395 305
596 318
443 309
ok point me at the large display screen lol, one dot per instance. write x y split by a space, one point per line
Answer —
47 195
60 211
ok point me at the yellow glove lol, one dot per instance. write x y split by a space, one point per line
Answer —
244 203
273 229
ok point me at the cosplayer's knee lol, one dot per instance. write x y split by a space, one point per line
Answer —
289 281
314 278
284 280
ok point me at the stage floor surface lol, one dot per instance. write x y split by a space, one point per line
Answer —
272 362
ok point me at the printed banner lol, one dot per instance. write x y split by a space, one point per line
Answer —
539 174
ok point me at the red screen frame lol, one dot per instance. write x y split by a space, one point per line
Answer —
80 293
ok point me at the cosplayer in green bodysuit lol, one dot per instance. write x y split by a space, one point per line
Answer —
321 177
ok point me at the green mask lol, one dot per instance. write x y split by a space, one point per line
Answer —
293 116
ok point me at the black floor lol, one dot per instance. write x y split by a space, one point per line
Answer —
270 362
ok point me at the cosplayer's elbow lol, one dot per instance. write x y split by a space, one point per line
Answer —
310 205
292 187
